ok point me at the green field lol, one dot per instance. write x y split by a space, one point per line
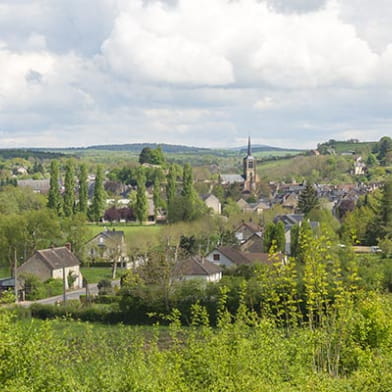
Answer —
4 272
95 274
130 231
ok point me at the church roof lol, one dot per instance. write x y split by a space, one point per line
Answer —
231 178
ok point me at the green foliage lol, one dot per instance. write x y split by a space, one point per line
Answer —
83 190
383 149
35 289
7 297
274 235
153 156
98 203
54 196
18 200
141 199
69 191
308 199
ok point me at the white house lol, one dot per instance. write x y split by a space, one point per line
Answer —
196 267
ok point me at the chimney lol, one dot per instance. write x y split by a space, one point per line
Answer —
68 246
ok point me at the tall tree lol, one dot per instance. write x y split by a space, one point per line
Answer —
171 190
157 194
83 190
386 210
141 198
308 199
191 202
98 203
54 196
69 191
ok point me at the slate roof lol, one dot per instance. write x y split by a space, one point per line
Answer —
237 257
231 178
58 257
195 265
234 255
114 235
253 227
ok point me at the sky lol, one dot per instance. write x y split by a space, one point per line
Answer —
289 73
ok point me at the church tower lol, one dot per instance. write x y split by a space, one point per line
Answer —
250 175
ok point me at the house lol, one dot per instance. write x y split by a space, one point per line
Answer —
359 167
212 202
289 220
290 201
54 263
257 207
229 257
196 267
254 244
38 186
107 246
246 229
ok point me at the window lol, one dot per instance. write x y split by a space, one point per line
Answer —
216 256
250 164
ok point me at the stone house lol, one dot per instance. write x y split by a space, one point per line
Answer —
246 229
107 246
213 203
54 263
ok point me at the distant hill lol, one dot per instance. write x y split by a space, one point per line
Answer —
173 149
346 146
137 147
25 153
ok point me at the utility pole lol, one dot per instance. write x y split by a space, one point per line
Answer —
64 287
16 275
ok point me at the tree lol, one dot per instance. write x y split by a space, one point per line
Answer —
171 191
274 234
308 199
141 199
152 156
384 150
83 190
157 194
69 191
98 203
386 210
54 196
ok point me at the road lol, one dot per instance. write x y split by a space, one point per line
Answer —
73 294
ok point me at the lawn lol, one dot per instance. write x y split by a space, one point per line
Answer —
95 274
4 272
130 230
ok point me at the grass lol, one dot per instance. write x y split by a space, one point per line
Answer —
95 274
4 272
130 231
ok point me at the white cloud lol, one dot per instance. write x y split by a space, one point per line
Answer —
202 72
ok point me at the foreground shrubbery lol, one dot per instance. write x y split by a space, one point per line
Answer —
347 351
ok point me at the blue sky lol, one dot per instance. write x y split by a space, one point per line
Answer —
290 73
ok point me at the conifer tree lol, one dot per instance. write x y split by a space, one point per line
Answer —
83 190
308 199
98 203
54 196
69 191
171 191
157 194
141 199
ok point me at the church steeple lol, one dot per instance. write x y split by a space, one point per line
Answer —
249 147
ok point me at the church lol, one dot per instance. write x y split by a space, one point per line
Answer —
249 178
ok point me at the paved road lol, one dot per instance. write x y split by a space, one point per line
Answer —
74 294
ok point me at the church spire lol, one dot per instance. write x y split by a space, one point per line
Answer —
249 147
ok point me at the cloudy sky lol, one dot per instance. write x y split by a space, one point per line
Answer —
290 73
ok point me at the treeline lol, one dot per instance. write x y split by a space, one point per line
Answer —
27 154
